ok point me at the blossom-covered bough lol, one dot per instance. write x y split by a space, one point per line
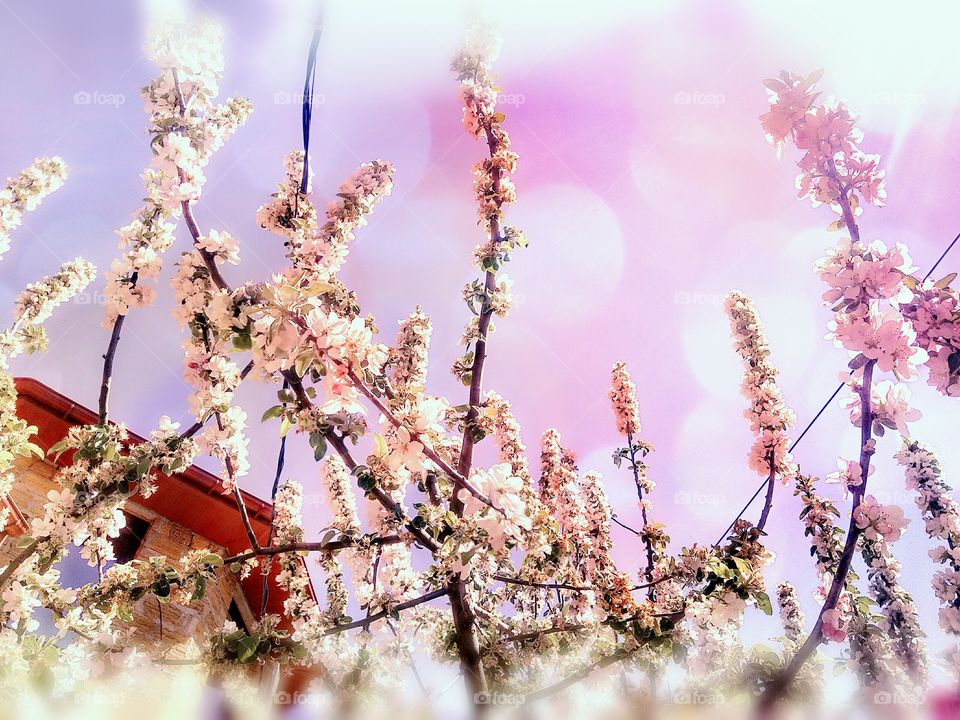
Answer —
506 572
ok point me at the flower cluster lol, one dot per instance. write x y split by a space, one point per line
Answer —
493 189
768 414
714 624
941 517
859 273
38 300
356 198
602 571
505 522
879 521
505 429
896 606
208 368
343 505
26 191
883 337
319 252
818 517
407 360
833 170
623 395
479 93
290 212
849 475
934 314
561 491
293 577
186 128
790 613
36 303
890 408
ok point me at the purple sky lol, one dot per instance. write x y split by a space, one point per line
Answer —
646 189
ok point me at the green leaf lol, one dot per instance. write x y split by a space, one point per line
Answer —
247 648
273 412
213 560
303 363
242 341
58 449
319 444
763 602
199 590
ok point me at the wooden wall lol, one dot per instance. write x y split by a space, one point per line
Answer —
34 478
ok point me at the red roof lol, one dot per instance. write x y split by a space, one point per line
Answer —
193 498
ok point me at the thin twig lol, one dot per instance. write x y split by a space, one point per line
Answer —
432 595
330 546
579 675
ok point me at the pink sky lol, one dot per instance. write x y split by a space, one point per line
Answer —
645 187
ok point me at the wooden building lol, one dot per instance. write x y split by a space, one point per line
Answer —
188 511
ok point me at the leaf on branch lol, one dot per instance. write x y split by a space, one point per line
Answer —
945 281
273 412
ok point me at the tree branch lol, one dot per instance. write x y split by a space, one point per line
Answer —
432 595
331 546
579 675
781 683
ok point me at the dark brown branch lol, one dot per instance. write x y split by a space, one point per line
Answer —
647 541
458 478
330 546
108 358
432 595
17 561
781 683
208 260
381 495
198 426
768 500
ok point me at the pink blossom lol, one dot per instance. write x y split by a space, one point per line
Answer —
858 273
890 408
834 626
878 520
884 337
623 396
849 474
